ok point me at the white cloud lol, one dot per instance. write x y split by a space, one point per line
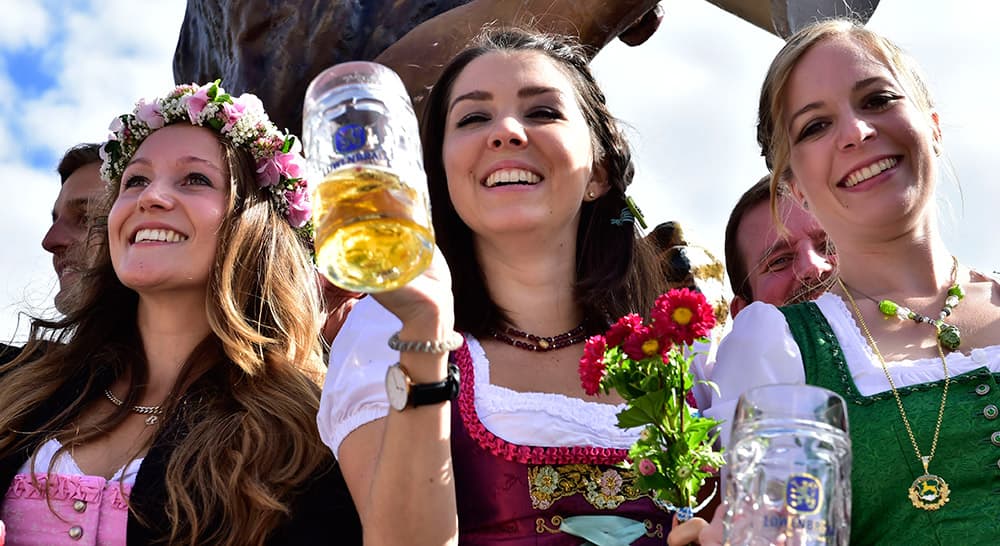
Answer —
28 281
27 24
690 94
109 56
106 55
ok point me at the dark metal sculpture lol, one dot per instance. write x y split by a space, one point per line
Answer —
274 49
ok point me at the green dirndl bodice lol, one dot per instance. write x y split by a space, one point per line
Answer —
885 464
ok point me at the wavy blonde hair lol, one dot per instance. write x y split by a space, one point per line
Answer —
772 122
247 396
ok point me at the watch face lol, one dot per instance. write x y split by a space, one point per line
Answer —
397 387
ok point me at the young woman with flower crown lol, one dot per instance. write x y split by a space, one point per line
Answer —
527 173
179 404
907 334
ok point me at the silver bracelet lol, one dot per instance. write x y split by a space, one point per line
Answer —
453 341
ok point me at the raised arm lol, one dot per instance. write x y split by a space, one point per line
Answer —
398 466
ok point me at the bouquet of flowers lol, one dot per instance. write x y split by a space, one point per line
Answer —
648 366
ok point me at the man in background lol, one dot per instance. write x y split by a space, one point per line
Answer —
776 264
80 173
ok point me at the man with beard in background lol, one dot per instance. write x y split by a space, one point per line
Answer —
776 264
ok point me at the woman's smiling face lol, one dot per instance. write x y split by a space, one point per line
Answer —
517 150
163 228
862 151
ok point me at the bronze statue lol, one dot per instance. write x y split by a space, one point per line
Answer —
274 49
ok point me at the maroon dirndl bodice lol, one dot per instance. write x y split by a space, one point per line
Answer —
518 495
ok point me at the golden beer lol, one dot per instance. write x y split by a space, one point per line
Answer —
372 230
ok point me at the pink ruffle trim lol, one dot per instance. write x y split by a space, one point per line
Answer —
513 452
69 488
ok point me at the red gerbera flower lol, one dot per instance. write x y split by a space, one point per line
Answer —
644 343
683 315
592 364
620 330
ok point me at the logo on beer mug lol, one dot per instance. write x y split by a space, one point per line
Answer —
803 494
349 138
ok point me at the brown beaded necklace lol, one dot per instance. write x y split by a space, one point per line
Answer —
531 342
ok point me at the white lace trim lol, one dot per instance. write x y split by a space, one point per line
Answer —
866 369
544 419
66 465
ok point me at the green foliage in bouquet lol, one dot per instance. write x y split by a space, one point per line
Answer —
648 365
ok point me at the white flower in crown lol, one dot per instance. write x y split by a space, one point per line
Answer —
280 167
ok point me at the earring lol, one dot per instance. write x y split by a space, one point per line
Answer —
591 194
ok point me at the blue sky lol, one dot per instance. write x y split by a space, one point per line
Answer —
689 96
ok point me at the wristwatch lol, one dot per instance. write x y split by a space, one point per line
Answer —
404 393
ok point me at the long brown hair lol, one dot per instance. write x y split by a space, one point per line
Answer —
241 420
616 268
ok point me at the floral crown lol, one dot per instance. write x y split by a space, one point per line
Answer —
279 162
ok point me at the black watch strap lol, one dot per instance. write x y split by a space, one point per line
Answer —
434 393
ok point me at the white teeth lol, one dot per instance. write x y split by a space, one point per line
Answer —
865 173
512 176
161 235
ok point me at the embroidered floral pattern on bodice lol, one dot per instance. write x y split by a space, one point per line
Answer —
603 488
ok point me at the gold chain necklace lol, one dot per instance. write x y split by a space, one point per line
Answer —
152 413
927 492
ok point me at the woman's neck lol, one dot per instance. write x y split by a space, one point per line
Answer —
533 282
170 326
898 269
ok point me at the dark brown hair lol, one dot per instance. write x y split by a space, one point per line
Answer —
76 157
616 271
736 262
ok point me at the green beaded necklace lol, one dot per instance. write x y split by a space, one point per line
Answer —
948 334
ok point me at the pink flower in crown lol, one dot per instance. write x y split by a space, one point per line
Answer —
270 170
196 102
592 364
149 113
116 127
233 112
299 206
246 102
620 330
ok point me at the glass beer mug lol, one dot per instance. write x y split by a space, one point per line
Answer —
788 479
370 208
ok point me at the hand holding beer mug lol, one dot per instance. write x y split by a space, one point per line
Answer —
789 468
370 208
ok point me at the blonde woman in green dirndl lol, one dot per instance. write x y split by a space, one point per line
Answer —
907 333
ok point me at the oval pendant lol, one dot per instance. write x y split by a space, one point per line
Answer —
949 336
929 492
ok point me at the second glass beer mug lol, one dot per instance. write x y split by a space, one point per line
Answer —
788 468
370 208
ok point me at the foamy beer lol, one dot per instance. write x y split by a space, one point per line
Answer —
370 208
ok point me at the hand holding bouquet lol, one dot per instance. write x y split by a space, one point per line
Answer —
648 365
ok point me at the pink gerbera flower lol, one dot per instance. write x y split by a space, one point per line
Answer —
644 343
683 315
592 364
620 330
